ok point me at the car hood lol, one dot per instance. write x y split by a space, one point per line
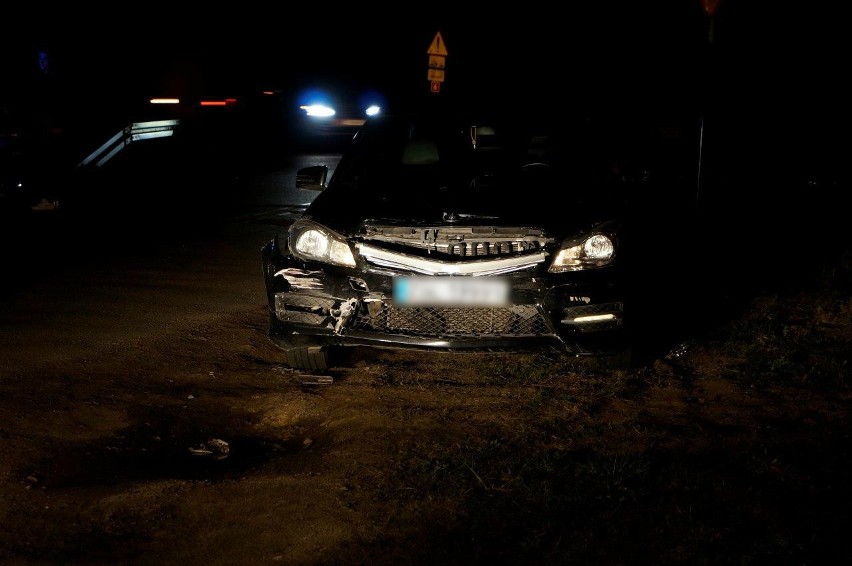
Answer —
346 211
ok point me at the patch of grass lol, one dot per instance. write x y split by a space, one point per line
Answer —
799 341
517 498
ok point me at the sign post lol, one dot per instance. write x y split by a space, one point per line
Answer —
710 7
437 62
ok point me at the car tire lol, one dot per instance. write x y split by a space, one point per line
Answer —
313 358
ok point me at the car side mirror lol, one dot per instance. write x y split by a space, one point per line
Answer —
312 178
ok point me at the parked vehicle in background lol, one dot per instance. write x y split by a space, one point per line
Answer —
328 116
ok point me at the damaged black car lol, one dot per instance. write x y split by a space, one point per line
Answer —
453 231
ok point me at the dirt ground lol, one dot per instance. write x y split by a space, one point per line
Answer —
732 449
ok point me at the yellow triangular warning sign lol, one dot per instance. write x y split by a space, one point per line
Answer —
438 47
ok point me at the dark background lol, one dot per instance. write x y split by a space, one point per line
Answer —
782 57
769 87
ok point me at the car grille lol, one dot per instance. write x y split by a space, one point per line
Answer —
484 249
522 320
462 241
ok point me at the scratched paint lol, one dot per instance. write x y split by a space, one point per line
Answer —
300 278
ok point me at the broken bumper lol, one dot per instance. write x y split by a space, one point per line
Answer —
316 304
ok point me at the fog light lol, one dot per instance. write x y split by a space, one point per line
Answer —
593 318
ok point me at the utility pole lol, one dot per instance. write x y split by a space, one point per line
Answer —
710 7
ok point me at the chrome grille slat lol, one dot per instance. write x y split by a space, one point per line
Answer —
461 241
480 267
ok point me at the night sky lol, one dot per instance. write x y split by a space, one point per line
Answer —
771 65
588 46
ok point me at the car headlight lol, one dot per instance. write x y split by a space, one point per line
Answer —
313 242
318 110
586 252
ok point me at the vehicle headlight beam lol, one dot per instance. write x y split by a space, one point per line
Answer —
586 252
310 241
318 110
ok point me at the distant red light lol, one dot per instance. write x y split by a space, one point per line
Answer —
231 100
710 6
213 103
268 92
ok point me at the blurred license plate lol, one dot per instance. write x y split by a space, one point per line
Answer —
451 291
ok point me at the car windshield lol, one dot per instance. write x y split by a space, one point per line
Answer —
398 153
447 152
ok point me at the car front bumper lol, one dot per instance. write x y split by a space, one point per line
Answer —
315 304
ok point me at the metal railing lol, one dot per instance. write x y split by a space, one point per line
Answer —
136 131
